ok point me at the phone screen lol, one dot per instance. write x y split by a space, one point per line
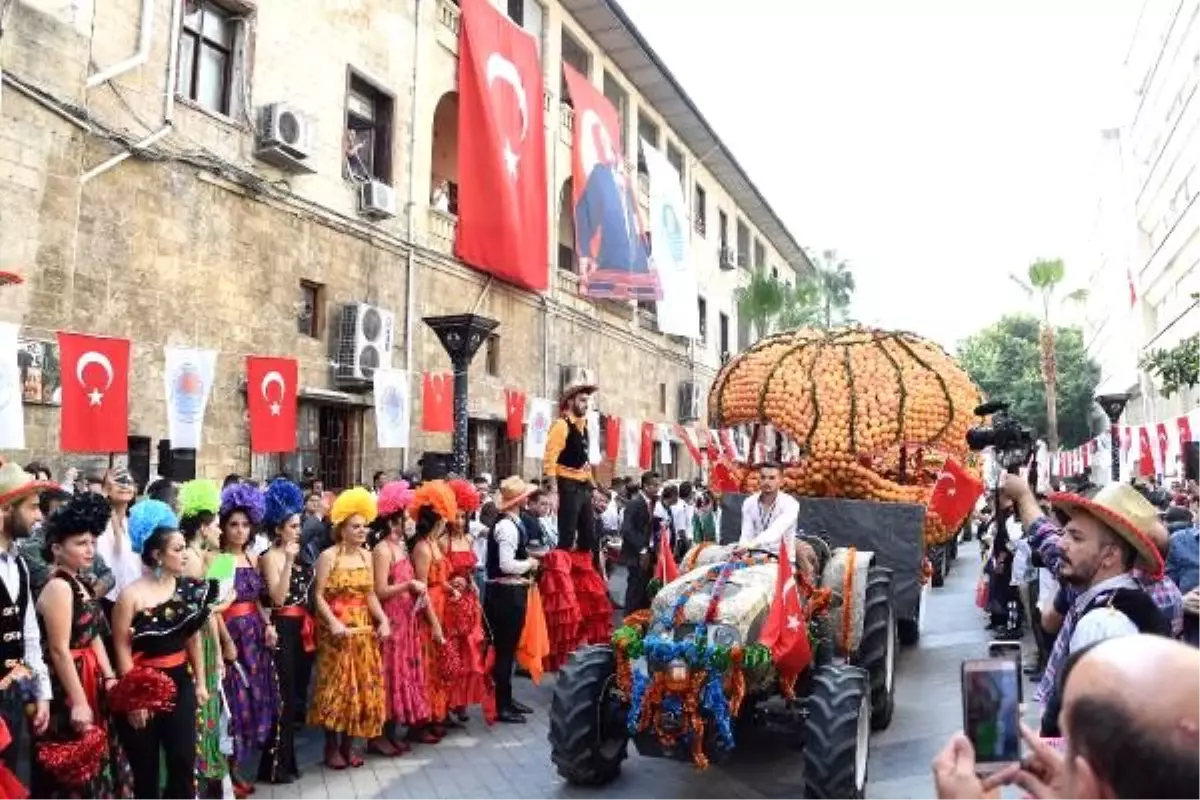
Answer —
991 690
1006 649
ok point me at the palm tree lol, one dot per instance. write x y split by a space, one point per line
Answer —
834 286
760 301
802 306
1045 277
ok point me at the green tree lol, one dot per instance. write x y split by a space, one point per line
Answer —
820 298
834 284
1043 284
760 301
1006 361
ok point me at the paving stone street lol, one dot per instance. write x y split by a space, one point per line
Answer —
509 761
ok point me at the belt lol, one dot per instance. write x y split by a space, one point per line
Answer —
308 630
89 674
164 662
340 604
239 610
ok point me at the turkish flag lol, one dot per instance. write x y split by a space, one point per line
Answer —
786 629
1132 288
1163 443
1146 458
688 435
514 404
271 392
612 437
954 494
646 453
666 570
1185 430
437 403
502 215
94 375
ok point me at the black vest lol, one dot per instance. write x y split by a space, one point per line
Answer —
493 549
574 454
12 618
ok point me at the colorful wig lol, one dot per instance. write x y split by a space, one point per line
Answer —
83 513
197 497
394 497
145 518
438 496
353 501
245 498
282 500
466 496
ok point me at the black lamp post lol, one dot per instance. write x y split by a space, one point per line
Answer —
1113 404
461 335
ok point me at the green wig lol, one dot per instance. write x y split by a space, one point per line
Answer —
197 497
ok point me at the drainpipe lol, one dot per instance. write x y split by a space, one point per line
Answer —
168 102
143 49
410 267
552 266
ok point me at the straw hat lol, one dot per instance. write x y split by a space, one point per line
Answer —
513 491
16 483
1123 509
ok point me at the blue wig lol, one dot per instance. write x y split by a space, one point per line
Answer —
282 500
145 518
242 497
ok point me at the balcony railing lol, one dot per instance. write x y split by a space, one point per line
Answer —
439 230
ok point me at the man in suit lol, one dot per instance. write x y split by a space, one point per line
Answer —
637 542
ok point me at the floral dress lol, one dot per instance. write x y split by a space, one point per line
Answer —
251 685
462 625
211 763
114 779
436 684
349 697
407 700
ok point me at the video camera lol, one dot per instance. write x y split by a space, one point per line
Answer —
1012 442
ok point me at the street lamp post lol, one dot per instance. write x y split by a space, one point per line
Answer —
461 335
1113 404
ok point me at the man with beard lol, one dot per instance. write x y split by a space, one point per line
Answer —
20 640
1104 539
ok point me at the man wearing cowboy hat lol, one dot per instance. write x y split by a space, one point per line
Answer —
1104 539
508 568
569 470
20 640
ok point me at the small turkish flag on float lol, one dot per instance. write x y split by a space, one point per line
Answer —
95 393
666 569
954 494
271 392
437 403
514 404
785 631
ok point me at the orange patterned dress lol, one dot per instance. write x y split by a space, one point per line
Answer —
432 661
349 696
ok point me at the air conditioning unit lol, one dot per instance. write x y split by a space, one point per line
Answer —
689 402
284 137
728 259
365 338
376 200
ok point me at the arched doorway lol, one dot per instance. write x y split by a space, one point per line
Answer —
566 227
444 162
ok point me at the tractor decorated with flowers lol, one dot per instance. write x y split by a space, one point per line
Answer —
684 677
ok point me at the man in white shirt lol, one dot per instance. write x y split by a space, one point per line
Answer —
114 545
769 515
20 639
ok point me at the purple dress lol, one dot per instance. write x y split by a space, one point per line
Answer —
251 685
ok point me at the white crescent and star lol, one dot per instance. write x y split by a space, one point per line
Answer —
95 396
500 68
952 489
273 377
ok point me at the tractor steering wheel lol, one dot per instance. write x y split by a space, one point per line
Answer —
771 554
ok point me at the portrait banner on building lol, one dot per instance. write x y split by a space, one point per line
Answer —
610 235
503 221
188 375
12 409
678 314
393 407
95 393
541 416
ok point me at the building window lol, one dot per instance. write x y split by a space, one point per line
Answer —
723 334
646 129
577 56
309 309
662 398
516 11
774 273
675 158
620 100
369 113
702 310
700 211
207 45
492 359
723 229
743 244
760 254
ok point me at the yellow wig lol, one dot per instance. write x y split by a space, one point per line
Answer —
350 502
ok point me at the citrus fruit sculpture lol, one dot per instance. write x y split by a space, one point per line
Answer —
866 414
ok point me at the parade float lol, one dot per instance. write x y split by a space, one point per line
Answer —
861 422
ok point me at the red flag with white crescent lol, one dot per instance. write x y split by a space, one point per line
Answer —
1146 457
94 378
271 386
954 494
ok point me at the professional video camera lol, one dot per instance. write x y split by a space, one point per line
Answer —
1012 442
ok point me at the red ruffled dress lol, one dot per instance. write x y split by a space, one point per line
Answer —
462 625
561 607
591 595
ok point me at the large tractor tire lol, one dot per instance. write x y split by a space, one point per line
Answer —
588 741
909 631
877 649
837 733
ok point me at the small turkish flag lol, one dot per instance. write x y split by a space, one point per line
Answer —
271 393
1164 444
612 437
1185 430
94 374
646 454
437 403
954 494
786 629
514 404
1145 457
666 570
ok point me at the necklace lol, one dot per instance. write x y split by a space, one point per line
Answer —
764 517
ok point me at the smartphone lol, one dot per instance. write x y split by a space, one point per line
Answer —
991 692
1008 649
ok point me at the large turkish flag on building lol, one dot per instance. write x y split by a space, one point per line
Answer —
502 192
271 396
95 393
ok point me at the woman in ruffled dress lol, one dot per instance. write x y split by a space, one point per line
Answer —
199 501
401 595
349 698
155 622
251 685
462 622
432 506
80 671
289 583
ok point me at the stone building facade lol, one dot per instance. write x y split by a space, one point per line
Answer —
196 238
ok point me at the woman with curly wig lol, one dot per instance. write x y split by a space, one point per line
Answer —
155 622
400 592
80 672
432 507
251 685
463 617
349 699
288 582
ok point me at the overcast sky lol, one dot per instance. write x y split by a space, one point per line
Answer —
937 145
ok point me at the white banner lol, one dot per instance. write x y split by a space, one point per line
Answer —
663 434
593 431
12 412
631 441
393 408
188 379
670 232
540 419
